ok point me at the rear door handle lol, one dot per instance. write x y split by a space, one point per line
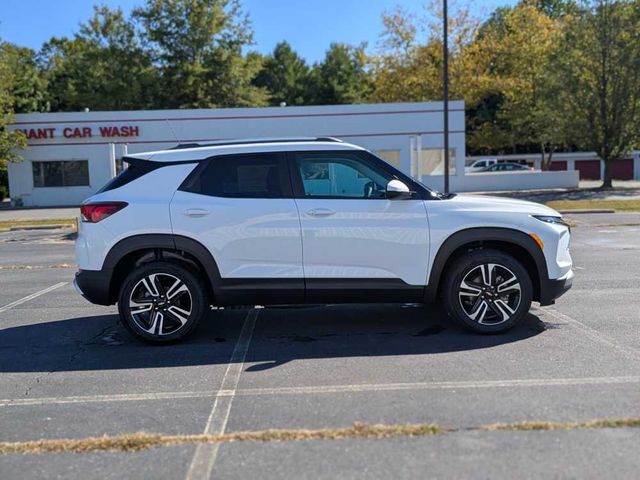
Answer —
196 212
320 212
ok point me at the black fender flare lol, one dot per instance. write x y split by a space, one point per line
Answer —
164 241
485 234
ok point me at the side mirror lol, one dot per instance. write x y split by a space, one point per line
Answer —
397 190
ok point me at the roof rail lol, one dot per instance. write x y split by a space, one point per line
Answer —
248 141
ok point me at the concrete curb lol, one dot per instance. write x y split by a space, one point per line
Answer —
592 210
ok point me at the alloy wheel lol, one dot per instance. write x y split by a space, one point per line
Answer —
160 304
490 294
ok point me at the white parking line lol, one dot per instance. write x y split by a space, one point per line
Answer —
124 397
205 455
593 334
310 390
32 296
381 387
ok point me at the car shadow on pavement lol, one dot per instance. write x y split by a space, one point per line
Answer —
280 335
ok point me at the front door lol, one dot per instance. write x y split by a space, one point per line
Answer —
356 242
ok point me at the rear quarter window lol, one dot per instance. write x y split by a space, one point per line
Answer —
128 175
255 175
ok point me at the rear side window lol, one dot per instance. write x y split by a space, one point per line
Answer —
128 175
241 176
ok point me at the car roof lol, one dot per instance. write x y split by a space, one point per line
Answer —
196 151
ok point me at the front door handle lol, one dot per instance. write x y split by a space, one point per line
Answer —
320 212
196 212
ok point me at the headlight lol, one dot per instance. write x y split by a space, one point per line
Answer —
551 219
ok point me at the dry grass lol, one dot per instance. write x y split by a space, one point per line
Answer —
617 205
536 425
7 224
143 441
35 267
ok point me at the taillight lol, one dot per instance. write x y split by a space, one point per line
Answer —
94 212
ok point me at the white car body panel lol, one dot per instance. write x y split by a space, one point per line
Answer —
462 212
148 212
248 238
365 239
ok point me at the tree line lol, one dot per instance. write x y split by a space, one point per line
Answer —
541 76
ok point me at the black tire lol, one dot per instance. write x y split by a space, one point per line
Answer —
506 300
165 321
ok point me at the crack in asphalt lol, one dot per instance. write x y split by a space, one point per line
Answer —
80 348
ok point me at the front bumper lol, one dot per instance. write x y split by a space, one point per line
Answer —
94 285
552 289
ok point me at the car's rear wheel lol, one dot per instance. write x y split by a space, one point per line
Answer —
161 302
487 291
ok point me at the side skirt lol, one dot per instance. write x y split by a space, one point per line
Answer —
263 291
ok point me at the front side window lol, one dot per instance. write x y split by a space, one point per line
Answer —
340 175
74 173
240 176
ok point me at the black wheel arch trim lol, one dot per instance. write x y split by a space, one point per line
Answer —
488 234
167 241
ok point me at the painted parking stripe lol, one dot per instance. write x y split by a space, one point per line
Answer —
32 296
205 455
592 333
310 390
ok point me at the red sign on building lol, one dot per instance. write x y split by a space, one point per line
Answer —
116 131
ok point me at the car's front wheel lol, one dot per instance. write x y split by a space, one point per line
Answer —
487 291
161 302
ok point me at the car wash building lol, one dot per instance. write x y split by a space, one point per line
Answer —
71 155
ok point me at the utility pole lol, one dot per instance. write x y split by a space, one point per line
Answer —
445 85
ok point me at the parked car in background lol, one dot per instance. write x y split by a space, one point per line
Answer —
480 165
507 167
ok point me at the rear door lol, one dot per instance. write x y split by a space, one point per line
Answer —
240 207
356 242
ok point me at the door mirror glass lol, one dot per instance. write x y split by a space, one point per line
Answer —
397 190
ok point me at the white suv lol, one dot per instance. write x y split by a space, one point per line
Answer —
308 220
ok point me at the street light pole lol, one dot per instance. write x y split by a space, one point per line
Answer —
445 83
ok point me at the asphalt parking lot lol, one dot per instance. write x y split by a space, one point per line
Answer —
68 370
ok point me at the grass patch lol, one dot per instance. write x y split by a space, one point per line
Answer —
6 224
36 267
618 205
536 425
136 442
143 441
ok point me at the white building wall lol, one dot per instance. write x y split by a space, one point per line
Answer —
373 126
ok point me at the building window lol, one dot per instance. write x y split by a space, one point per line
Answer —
433 161
392 157
73 173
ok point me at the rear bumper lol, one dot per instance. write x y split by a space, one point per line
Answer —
552 289
94 285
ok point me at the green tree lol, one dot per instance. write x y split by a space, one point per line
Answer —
521 47
341 78
599 65
408 67
284 75
28 88
198 46
104 67
10 140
